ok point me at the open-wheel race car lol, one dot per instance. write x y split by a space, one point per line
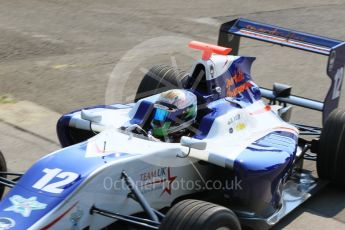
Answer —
198 150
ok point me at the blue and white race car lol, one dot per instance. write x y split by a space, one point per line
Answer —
195 151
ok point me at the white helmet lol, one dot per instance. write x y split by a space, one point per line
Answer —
173 111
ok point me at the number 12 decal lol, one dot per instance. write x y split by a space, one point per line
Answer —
55 187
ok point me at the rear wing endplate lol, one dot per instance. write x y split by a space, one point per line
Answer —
229 36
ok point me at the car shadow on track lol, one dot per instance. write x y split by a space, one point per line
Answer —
327 203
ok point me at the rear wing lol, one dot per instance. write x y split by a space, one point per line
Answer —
229 36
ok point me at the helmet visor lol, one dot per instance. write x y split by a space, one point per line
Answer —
160 115
160 122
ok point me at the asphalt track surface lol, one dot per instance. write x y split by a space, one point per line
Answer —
63 55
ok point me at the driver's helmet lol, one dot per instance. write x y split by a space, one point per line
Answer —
174 111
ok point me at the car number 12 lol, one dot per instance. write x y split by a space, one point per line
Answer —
55 187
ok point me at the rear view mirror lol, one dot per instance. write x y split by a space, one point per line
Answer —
281 90
193 143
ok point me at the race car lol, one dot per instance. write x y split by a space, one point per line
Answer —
207 149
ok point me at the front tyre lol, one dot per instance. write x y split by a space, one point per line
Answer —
331 155
3 168
199 215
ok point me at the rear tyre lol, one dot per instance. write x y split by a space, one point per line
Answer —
161 78
331 155
199 215
3 168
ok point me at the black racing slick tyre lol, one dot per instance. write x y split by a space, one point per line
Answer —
3 168
161 78
199 215
331 155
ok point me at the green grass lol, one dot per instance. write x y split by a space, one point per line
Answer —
6 99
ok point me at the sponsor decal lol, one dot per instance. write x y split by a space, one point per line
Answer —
338 81
275 32
237 78
276 35
235 84
240 126
24 206
75 218
231 130
236 123
6 223
48 226
234 119
238 90
332 60
157 179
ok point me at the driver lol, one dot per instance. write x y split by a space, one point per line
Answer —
174 112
